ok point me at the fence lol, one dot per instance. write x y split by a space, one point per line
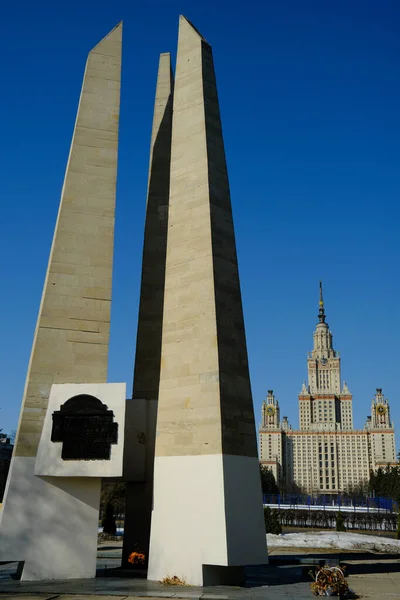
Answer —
336 503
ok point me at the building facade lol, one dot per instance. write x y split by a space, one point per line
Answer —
326 454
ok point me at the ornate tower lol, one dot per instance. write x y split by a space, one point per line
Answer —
323 361
380 411
382 431
271 435
270 412
323 404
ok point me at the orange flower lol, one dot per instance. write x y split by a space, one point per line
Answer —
136 558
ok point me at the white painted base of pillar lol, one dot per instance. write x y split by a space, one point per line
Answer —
50 523
207 511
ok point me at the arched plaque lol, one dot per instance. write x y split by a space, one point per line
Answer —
86 429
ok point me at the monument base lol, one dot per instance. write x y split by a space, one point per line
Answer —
216 522
50 517
50 523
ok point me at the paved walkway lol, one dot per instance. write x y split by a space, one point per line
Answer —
372 577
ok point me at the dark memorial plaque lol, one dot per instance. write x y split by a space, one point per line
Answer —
86 429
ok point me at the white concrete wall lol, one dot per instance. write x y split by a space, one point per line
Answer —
50 523
212 520
188 514
244 511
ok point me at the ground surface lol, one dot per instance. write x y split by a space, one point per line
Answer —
371 575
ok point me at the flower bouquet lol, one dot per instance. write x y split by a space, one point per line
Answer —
330 581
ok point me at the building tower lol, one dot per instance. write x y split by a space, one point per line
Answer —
270 412
323 403
380 411
271 441
205 418
381 430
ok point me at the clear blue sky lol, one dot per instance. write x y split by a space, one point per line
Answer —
310 96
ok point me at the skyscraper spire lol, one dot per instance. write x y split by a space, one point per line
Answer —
321 313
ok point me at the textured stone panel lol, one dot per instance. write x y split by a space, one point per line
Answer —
205 401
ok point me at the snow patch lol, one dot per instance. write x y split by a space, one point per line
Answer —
337 540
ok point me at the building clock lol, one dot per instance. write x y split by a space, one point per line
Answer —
380 409
270 410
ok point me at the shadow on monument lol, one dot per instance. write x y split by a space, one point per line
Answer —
55 511
139 495
235 390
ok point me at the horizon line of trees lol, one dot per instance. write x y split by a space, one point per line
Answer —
384 482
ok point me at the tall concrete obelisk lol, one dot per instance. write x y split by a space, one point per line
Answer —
71 338
207 495
148 344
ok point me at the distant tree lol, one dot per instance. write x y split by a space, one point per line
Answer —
295 488
340 526
268 482
108 522
359 490
385 482
12 436
272 523
113 494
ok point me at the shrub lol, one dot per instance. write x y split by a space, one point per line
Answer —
276 526
268 483
340 526
108 523
327 519
398 528
271 519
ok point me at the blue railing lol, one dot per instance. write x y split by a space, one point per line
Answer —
332 502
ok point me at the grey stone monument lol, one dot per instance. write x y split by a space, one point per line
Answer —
207 519
189 427
49 524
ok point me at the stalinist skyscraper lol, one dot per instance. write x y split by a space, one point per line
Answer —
323 401
326 455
